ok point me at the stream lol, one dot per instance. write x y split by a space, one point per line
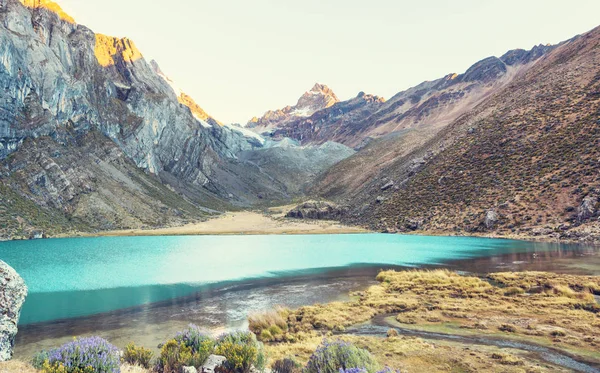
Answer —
380 325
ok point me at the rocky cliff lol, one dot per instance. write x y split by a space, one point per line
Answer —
12 296
92 136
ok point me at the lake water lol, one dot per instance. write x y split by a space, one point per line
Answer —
121 287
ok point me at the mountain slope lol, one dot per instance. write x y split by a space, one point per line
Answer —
430 106
413 117
524 161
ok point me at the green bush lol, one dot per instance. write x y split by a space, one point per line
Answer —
242 351
189 348
135 355
333 357
37 361
201 344
175 355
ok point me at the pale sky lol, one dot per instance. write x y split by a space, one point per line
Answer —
239 58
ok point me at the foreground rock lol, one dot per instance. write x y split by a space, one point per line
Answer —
12 295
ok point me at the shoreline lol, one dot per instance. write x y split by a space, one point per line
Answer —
273 222
241 223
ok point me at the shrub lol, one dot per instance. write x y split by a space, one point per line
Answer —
242 351
511 291
84 355
558 333
507 328
268 326
286 365
135 355
201 344
333 357
37 361
190 347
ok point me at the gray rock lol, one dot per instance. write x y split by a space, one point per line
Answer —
189 370
317 211
211 363
587 208
12 295
491 218
388 185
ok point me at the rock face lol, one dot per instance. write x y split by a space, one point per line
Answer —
12 295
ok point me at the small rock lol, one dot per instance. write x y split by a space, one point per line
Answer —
388 185
379 199
392 333
189 370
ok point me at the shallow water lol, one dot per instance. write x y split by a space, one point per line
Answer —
146 288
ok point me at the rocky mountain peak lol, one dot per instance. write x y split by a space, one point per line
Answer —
319 97
50 6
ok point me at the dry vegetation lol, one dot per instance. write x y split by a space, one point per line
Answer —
557 311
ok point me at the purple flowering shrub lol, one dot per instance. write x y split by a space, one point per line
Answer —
339 356
84 355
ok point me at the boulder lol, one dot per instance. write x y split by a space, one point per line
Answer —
491 218
211 363
12 295
587 208
189 370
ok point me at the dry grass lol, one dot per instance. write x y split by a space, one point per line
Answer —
408 354
554 310
271 325
16 366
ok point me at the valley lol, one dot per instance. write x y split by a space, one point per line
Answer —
451 226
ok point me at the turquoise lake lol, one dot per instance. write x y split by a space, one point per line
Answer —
76 277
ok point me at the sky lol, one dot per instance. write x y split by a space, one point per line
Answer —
240 58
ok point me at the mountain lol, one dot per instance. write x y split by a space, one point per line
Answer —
429 106
94 137
524 161
411 118
318 98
